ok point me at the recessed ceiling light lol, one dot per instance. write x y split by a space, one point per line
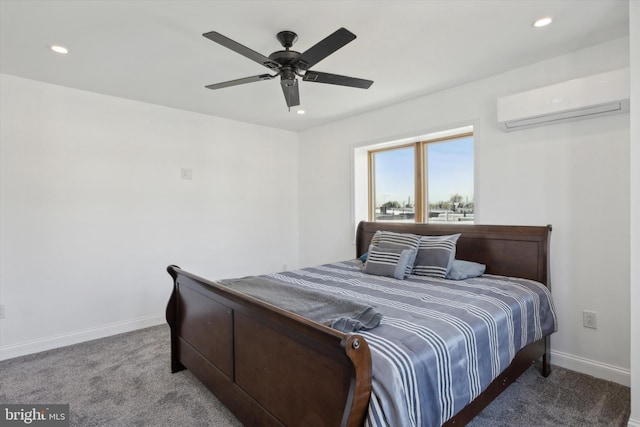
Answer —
542 22
59 49
301 112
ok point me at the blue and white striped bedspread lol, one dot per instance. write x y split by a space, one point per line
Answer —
440 342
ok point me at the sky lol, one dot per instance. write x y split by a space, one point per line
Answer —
449 166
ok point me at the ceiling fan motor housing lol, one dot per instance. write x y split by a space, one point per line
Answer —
284 57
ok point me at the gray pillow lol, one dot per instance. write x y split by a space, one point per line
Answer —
388 261
435 255
461 269
390 239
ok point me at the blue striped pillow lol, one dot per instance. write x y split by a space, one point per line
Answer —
389 239
389 262
435 255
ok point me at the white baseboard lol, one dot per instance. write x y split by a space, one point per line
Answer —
591 367
35 346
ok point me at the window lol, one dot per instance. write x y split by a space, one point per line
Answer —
393 172
425 181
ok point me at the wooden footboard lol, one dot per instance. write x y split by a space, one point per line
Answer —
268 366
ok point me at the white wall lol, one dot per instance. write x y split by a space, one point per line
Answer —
93 209
574 176
634 197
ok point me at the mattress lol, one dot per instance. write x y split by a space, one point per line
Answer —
439 342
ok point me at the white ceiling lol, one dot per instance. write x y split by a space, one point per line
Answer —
154 52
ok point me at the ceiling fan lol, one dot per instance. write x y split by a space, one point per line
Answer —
288 63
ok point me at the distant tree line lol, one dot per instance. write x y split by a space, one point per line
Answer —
456 202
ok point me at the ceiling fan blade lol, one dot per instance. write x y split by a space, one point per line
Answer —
241 49
241 81
324 48
291 93
336 79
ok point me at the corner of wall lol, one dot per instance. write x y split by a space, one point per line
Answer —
634 205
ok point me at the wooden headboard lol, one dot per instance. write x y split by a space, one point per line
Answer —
506 250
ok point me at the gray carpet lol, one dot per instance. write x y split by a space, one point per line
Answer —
125 380
565 398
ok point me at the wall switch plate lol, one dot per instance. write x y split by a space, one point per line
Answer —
589 319
186 173
2 312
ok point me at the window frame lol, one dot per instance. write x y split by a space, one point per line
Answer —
421 208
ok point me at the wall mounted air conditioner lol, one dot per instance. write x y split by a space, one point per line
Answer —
586 97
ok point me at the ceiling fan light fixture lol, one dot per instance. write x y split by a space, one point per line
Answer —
288 78
542 22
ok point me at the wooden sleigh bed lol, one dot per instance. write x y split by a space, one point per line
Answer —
271 367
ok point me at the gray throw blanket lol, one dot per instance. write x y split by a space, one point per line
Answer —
339 313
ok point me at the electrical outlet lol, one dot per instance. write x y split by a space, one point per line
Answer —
2 313
590 319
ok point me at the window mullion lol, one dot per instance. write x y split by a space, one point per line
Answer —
372 187
419 205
